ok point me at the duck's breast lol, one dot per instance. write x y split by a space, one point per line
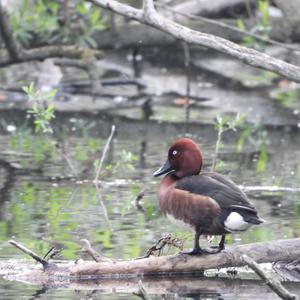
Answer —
192 209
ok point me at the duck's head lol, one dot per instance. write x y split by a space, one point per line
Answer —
184 159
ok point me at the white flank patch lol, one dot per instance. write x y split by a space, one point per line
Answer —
235 222
180 223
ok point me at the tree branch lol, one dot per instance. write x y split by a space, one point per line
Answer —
273 283
36 257
17 54
220 24
247 55
98 257
13 47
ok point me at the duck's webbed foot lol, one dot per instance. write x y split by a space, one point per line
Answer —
194 251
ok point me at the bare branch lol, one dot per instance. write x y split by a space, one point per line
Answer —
43 53
227 26
36 257
106 147
98 257
247 55
13 47
142 291
272 282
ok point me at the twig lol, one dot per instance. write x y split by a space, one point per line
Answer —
67 158
48 252
272 188
137 202
272 282
98 170
98 257
187 58
224 25
247 55
35 256
106 147
217 147
142 293
161 243
100 198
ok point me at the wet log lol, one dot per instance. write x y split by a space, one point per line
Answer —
266 252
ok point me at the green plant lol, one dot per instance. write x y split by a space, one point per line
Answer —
94 22
42 21
125 162
258 137
42 110
223 124
262 27
287 98
39 20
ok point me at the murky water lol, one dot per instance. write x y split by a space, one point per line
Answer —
41 207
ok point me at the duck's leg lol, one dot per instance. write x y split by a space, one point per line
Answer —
217 249
196 250
222 243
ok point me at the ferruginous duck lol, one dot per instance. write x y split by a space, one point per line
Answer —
208 202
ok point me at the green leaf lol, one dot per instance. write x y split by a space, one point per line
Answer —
95 17
81 8
262 160
240 24
51 94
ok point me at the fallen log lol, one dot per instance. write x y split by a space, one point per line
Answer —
179 264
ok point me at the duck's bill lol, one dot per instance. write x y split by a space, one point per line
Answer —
166 168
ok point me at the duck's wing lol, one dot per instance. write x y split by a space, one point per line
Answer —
220 188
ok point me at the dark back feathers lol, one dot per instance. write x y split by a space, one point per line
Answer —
218 187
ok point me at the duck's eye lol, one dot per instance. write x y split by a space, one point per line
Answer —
174 152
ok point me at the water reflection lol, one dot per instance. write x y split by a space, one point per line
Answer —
43 205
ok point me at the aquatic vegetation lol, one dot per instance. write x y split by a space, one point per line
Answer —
43 109
50 21
262 27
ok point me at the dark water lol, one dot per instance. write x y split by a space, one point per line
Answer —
41 210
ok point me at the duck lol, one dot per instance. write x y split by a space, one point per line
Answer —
207 202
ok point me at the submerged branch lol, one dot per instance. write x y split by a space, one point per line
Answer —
272 282
142 291
98 257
